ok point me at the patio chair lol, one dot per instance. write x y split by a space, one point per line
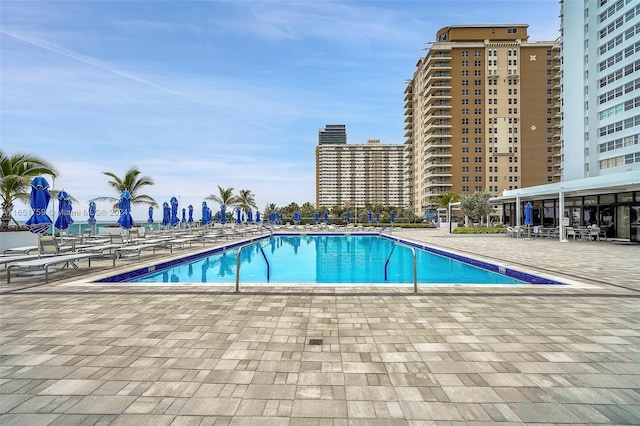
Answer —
51 246
594 234
570 232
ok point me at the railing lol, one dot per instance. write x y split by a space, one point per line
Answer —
383 229
415 264
268 229
238 264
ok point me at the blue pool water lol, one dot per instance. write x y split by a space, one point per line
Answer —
327 259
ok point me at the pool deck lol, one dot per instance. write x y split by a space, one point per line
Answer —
75 353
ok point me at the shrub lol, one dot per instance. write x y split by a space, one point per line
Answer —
479 230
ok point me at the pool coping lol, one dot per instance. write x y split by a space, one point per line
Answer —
530 277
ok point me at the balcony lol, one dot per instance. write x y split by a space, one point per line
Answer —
435 154
442 85
439 76
440 56
439 66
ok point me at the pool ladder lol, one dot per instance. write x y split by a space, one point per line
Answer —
415 264
238 264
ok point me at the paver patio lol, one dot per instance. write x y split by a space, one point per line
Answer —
77 353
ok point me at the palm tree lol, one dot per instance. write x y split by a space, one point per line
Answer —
246 199
16 172
446 198
225 197
307 209
131 182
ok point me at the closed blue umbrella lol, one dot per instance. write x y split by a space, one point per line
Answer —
190 220
257 216
223 213
296 217
64 219
393 216
209 215
370 216
326 217
249 215
280 217
528 214
348 216
125 220
205 214
184 215
238 215
174 211
377 217
166 214
39 222
150 220
316 217
272 217
92 213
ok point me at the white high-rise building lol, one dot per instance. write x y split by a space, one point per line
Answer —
600 87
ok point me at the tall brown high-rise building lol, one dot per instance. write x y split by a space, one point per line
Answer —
482 113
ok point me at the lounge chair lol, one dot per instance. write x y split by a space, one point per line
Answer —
21 250
178 242
42 265
7 260
51 246
136 249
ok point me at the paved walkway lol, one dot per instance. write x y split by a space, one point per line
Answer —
203 355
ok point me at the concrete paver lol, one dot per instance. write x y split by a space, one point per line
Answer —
72 352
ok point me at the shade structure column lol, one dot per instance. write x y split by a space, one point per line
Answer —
562 234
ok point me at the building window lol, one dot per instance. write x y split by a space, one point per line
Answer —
512 31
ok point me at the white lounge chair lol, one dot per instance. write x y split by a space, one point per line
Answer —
7 260
21 250
42 265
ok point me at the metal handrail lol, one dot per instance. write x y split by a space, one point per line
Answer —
238 265
382 230
415 264
268 229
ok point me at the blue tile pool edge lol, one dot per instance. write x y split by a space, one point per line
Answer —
126 276
502 270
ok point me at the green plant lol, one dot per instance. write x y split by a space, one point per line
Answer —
479 230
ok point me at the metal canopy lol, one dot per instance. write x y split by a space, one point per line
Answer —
620 182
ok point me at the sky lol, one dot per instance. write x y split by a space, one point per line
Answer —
201 94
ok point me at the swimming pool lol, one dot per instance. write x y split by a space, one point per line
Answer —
328 259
